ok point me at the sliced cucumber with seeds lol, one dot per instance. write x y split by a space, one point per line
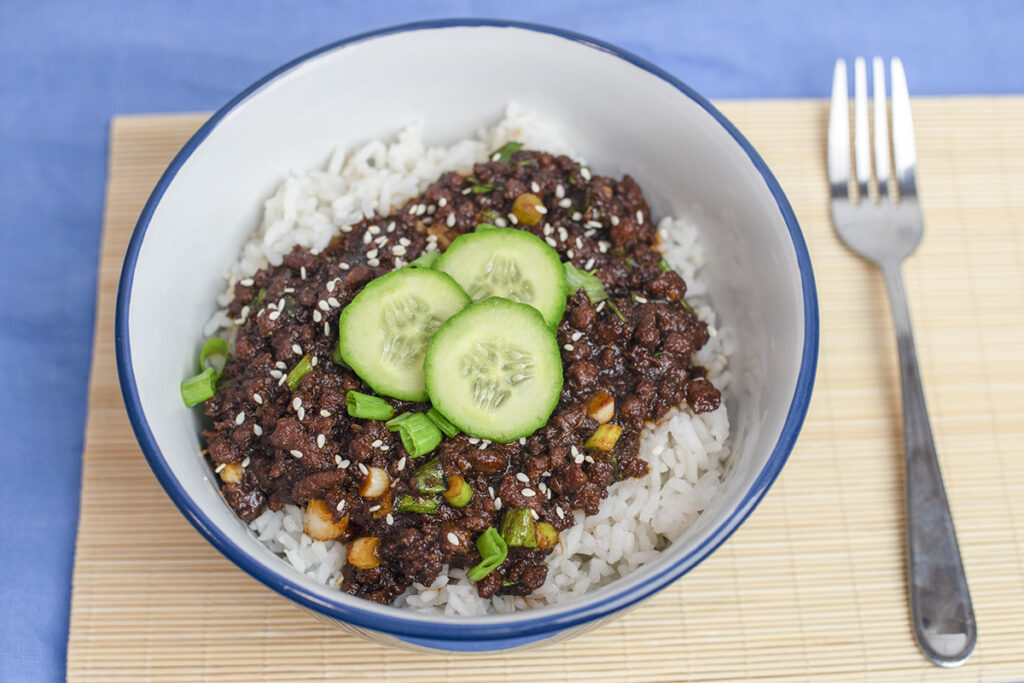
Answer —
494 370
509 263
384 332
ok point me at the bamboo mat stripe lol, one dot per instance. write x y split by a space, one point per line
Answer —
812 585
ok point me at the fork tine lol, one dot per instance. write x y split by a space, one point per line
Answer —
861 134
839 133
881 127
904 151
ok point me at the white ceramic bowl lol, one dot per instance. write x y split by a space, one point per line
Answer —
623 114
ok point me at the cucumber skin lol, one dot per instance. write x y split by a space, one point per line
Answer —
439 403
380 389
469 237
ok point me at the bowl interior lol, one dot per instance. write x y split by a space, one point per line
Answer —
620 117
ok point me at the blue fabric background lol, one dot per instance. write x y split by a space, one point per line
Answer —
66 68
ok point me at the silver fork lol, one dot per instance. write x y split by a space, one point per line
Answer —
885 226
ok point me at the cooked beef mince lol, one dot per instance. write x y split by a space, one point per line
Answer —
287 446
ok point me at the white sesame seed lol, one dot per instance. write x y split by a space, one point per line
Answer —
500 222
247 282
219 468
245 463
589 264
280 303
602 246
340 506
276 374
570 254
401 464
399 262
473 440
281 381
542 487
541 209
512 219
301 414
373 263
534 187
549 230
490 491
373 508
372 253
296 403
483 445
302 272
551 241
331 285
529 493
321 440
442 202
385 448
467 190
563 234
367 237
274 315
297 454
343 266
568 347
391 226
639 217
257 430
375 229
534 514
317 317
258 399
346 228
576 216
240 418
579 459
450 221
390 519
497 503
313 360
640 300
404 241
280 365
595 224
421 209
325 413
398 250
576 336
712 332
522 441
327 329
589 459
575 451
614 220
558 511
522 477
565 203
589 232
452 538
333 303
362 468
585 172
323 305
559 190
377 443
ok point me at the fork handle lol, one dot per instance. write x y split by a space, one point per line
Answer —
940 603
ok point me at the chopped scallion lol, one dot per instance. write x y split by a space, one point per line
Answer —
517 528
367 407
419 434
505 152
663 264
422 504
478 187
611 305
589 282
214 347
393 423
442 422
198 388
604 438
493 550
298 372
547 535
688 307
429 477
459 493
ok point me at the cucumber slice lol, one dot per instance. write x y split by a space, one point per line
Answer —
383 333
494 370
509 263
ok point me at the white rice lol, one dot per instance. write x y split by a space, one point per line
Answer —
640 517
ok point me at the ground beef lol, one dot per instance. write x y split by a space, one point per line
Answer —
295 446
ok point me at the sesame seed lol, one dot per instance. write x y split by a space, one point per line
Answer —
512 219
258 399
301 414
373 263
639 217
245 463
331 285
522 441
575 451
296 403
579 459
614 220
377 443
497 503
534 187
274 315
590 232
490 491
399 262
442 202
559 191
219 468
529 493
280 365
589 459
542 487
399 250
500 222
565 203
412 209
327 329
401 464
323 305
313 359
362 468
576 336
421 209
375 229
577 216
321 440
343 266
589 264
302 272
482 446
385 448
640 300
390 519
450 221
404 241
280 382
473 440
549 229
276 374
325 413
585 172
534 514
257 430
595 224
551 241
333 303
568 347
391 226
563 234
240 418
340 506
541 209
247 282
558 511
346 228
297 454
317 317
452 538
522 477
373 508
602 246
712 332
372 253
570 254
367 237
467 190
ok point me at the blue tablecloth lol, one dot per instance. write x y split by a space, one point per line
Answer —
66 68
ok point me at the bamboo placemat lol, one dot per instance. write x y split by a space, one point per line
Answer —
811 586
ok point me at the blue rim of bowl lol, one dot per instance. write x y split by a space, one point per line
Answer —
543 623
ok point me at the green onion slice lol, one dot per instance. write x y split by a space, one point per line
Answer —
688 307
367 407
591 286
426 260
442 422
493 550
663 264
297 373
505 152
517 528
419 434
424 504
393 424
429 477
459 492
215 347
198 388
611 305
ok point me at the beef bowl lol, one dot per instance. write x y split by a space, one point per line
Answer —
488 350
